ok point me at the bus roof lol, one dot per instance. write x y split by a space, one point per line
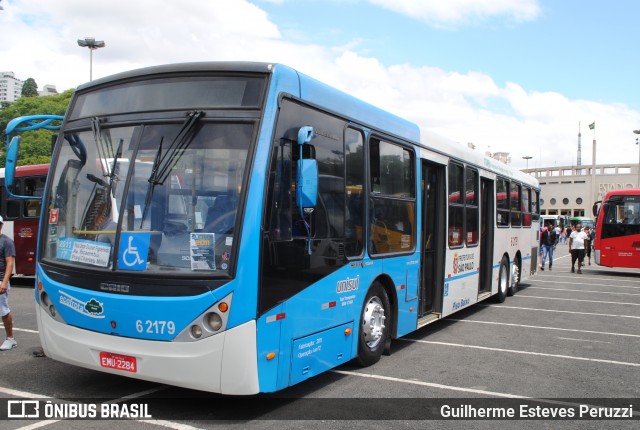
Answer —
288 80
30 170
284 80
624 192
455 150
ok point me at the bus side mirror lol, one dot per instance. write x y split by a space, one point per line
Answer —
11 161
596 208
307 181
307 187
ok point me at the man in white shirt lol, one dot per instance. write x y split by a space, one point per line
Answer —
577 242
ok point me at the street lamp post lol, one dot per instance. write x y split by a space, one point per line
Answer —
92 44
638 143
527 157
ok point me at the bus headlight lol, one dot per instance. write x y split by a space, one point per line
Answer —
44 299
46 304
214 321
196 331
210 322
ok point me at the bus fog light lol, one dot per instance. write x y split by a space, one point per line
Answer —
52 311
214 321
196 331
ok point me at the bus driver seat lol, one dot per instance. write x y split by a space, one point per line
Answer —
221 215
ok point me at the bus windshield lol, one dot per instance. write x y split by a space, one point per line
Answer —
106 194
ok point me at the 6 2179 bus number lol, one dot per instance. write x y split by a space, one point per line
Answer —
155 327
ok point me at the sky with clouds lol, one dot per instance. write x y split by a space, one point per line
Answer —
515 76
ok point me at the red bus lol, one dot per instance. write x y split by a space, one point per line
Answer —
617 242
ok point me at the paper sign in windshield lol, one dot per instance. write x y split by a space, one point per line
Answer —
202 249
84 251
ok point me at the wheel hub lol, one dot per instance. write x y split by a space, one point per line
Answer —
373 322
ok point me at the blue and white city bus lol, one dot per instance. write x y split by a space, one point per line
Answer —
240 227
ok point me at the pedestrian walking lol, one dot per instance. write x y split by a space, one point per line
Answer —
548 242
591 232
577 242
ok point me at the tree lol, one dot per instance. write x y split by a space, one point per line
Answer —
29 88
35 146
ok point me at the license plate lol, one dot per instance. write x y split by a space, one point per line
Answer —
118 361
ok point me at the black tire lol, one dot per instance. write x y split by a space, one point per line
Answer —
503 281
514 279
374 329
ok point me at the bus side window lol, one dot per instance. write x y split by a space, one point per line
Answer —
354 211
13 209
457 197
32 208
502 202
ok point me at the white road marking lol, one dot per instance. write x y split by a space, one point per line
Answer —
544 327
449 387
583 340
557 311
22 329
555 282
539 354
520 296
584 291
430 384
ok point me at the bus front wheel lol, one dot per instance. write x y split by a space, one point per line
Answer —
503 281
374 329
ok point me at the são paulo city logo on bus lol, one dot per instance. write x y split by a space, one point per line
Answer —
463 263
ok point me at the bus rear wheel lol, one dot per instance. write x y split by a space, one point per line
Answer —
374 329
515 279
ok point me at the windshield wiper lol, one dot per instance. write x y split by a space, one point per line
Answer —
164 163
113 176
152 182
101 147
94 178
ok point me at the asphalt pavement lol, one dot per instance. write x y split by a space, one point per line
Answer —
565 343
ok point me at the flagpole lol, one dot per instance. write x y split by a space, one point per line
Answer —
592 126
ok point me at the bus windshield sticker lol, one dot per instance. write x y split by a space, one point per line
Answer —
202 249
53 216
133 252
83 251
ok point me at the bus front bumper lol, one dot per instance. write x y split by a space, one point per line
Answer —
225 363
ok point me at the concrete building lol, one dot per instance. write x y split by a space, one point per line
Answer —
572 190
48 90
10 87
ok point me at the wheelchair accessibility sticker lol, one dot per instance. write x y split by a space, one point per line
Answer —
133 252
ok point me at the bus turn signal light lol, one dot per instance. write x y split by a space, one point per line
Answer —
347 332
271 356
223 307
